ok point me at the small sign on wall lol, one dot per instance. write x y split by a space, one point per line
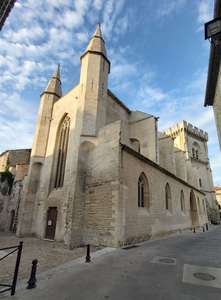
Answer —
49 222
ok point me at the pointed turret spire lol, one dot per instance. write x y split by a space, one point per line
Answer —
54 85
97 43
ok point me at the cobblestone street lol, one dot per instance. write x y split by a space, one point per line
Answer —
49 255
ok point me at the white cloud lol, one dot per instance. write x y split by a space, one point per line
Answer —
122 25
198 81
82 37
205 10
149 94
98 4
82 6
112 9
122 70
24 35
205 13
166 7
18 5
71 19
19 128
58 3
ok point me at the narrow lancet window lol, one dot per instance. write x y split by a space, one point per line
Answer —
143 192
140 192
62 152
166 198
168 202
182 200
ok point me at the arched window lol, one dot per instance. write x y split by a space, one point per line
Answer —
196 150
182 201
143 192
168 198
62 151
140 192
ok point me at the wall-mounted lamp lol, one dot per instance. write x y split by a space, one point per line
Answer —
212 28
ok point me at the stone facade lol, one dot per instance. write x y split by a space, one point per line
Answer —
102 174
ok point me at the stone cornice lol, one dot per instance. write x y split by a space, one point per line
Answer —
50 93
199 161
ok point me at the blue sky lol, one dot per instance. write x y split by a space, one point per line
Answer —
158 55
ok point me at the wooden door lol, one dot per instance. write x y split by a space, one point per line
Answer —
51 223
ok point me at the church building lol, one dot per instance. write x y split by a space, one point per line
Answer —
102 174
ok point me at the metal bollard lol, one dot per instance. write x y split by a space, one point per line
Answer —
194 231
203 229
16 268
32 281
207 227
88 258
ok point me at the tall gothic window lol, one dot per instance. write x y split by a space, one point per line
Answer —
140 192
168 198
143 197
62 151
182 201
196 150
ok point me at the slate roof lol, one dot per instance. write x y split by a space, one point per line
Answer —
5 8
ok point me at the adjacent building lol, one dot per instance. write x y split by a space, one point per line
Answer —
213 92
218 197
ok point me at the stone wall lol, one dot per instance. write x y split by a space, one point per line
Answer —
166 152
141 222
101 188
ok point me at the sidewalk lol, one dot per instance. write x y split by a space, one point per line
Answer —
49 255
183 266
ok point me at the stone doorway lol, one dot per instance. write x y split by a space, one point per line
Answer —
51 223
